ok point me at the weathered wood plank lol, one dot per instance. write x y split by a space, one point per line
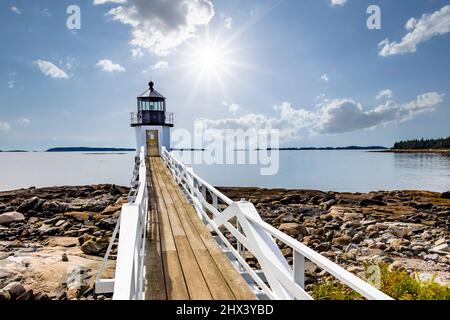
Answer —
216 283
186 257
155 287
195 282
235 281
173 274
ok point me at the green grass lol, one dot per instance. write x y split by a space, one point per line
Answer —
398 284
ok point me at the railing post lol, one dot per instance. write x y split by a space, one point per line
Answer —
299 269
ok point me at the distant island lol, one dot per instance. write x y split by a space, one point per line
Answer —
329 148
436 146
423 144
86 149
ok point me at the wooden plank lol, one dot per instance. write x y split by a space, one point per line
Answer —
235 281
174 279
155 287
217 284
195 282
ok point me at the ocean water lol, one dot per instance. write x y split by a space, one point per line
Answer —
354 171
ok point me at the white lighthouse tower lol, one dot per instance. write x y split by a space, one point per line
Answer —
152 123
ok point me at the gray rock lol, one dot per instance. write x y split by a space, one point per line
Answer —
34 204
93 247
15 289
27 295
10 217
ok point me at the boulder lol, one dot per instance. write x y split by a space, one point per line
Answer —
27 295
293 229
34 204
342 241
15 289
10 217
4 295
92 247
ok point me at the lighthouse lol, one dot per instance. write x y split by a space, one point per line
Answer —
152 123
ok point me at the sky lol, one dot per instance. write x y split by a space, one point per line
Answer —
309 68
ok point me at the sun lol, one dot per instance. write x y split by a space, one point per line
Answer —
209 58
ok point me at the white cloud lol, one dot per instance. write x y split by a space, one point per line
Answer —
338 2
11 84
229 23
16 10
108 66
160 65
324 77
387 93
50 70
97 2
24 121
234 108
4 126
160 26
334 117
137 52
427 27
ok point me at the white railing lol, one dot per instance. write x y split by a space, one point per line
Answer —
276 279
129 280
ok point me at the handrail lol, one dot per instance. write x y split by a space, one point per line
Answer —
251 233
129 280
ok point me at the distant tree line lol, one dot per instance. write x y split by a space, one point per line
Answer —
424 144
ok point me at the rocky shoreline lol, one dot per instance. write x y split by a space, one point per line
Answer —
52 240
443 152
405 229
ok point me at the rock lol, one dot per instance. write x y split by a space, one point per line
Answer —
64 257
349 216
341 241
27 295
442 248
41 297
397 244
327 205
356 269
79 216
440 242
359 237
4 295
432 257
34 204
73 291
15 289
111 209
445 195
10 217
54 206
285 218
293 229
371 202
93 247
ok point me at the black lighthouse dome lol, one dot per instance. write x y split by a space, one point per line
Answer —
151 109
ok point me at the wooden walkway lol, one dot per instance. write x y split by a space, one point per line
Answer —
183 261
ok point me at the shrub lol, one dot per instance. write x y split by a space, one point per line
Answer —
397 284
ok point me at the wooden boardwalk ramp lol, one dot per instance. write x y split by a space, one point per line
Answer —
183 261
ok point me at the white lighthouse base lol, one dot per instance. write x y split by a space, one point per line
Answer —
141 137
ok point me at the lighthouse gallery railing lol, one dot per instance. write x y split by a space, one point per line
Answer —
276 279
